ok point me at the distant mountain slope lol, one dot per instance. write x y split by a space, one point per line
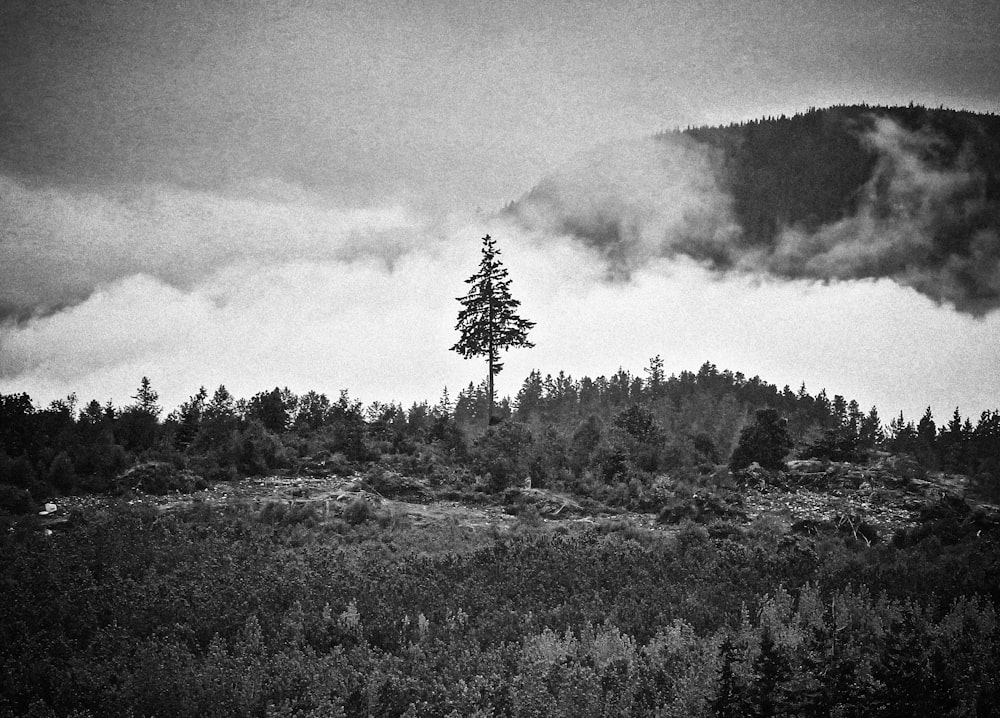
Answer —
811 169
846 192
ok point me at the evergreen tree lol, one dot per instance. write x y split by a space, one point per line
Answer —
584 443
146 398
487 322
444 407
870 433
657 379
766 441
927 440
188 418
903 435
529 398
136 426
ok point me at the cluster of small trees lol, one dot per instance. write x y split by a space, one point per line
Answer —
63 448
586 436
956 446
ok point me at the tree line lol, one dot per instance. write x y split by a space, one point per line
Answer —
807 170
582 435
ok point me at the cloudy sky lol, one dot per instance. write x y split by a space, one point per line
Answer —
291 193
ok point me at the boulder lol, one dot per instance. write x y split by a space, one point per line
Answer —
807 466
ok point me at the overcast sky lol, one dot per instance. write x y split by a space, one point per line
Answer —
291 193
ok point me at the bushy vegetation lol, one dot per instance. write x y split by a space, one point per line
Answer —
280 611
289 609
605 438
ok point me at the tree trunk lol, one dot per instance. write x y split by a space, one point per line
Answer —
490 357
489 388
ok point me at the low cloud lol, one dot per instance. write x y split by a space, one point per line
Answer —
925 227
269 286
635 201
61 245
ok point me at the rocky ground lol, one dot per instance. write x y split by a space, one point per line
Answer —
871 502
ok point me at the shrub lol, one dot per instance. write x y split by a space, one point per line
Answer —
157 477
359 511
987 485
528 517
15 500
61 473
394 485
17 472
502 454
834 445
691 535
258 451
300 512
766 442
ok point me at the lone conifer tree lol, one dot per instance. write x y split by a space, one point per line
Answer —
487 321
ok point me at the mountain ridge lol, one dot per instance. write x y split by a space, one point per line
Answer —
847 192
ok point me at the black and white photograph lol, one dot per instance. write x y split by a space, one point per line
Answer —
454 358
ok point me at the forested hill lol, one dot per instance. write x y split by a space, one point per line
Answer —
909 194
810 169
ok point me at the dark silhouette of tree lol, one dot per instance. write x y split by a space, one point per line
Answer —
313 411
487 322
187 418
146 398
766 441
584 443
771 671
271 410
218 421
137 424
870 433
902 435
927 440
657 378
16 411
529 398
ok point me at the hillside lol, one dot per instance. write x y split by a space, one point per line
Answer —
811 169
835 586
907 193
700 544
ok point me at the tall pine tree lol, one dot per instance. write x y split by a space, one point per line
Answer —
487 322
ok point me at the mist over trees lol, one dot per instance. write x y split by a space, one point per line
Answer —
910 194
809 169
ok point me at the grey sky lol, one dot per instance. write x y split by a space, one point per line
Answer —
139 137
464 103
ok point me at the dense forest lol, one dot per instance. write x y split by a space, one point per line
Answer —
809 169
